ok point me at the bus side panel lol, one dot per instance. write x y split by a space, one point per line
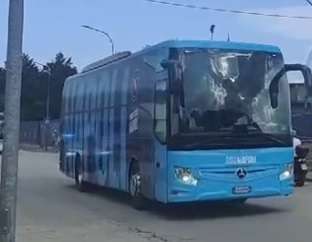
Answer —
141 138
93 153
113 124
97 120
71 144
106 135
87 147
100 128
105 127
79 116
62 130
140 122
97 129
119 126
123 128
66 162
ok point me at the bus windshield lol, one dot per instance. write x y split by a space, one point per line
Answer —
227 92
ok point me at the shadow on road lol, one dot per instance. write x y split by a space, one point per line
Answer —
190 211
212 210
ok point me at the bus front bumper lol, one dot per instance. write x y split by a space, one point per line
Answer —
229 174
212 190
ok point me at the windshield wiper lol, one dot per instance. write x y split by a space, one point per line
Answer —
272 138
204 139
255 130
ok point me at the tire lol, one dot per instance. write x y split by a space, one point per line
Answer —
81 185
301 178
300 182
137 200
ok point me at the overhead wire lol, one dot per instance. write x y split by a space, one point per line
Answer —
309 2
231 11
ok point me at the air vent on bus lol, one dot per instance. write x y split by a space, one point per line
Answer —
106 61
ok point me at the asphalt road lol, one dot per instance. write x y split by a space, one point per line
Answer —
50 209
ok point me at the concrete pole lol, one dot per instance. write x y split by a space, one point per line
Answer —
9 169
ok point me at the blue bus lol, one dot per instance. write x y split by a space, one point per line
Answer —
182 121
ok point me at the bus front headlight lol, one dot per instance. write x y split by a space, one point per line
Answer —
185 176
287 173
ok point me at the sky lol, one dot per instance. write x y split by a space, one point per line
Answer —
52 26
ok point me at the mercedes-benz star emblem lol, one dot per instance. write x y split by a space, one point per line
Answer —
241 173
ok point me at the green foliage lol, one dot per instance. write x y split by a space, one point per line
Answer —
35 87
61 68
32 102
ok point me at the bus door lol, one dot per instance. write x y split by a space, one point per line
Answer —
160 132
160 172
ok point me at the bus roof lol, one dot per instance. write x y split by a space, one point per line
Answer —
185 44
214 45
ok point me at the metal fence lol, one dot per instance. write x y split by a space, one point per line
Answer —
40 133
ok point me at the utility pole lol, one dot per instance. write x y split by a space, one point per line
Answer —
47 118
309 2
9 168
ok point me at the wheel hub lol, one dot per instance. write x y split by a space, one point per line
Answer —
135 184
80 177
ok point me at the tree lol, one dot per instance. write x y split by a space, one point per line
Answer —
61 68
33 93
35 87
32 96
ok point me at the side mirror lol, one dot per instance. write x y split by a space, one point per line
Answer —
274 86
274 99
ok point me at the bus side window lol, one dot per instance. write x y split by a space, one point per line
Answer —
65 98
160 124
70 98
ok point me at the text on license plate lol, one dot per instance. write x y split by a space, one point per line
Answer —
241 189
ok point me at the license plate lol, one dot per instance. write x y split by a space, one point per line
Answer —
241 189
304 167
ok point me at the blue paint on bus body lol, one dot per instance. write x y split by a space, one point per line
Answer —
98 107
217 177
226 45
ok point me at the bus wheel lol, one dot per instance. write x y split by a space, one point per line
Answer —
80 184
135 181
